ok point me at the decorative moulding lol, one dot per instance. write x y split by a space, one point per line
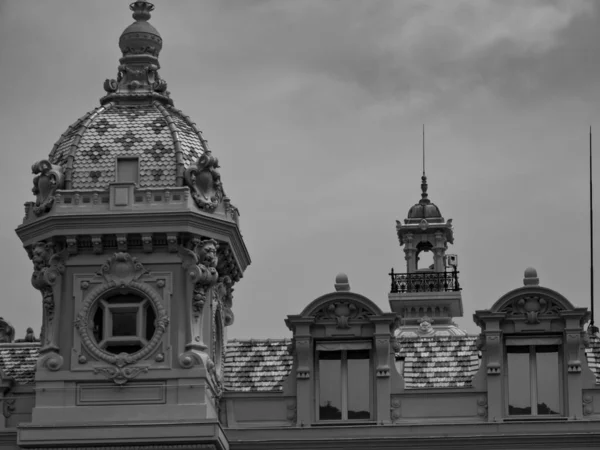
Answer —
342 312
204 181
48 178
122 273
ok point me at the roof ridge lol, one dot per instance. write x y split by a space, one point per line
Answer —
255 340
19 345
70 128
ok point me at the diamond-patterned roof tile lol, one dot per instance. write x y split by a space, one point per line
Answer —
113 131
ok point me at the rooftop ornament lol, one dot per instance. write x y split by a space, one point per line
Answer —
138 77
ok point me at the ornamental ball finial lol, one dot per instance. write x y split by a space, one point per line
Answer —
141 9
531 277
341 282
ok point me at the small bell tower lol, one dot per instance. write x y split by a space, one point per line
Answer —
427 295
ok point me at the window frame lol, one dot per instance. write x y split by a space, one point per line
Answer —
532 343
344 347
141 307
123 158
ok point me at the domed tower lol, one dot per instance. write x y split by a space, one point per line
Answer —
135 249
427 296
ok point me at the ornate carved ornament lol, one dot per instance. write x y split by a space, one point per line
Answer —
204 181
395 409
121 273
227 265
7 332
121 375
137 78
533 307
218 337
200 264
48 178
342 312
48 267
8 405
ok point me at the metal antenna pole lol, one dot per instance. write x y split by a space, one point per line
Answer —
591 325
423 149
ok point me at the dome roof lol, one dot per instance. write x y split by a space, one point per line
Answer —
424 209
160 136
136 119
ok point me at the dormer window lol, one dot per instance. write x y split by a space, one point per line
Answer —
533 376
127 170
344 381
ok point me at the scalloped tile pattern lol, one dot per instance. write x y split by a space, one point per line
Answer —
439 362
18 362
257 365
138 131
188 137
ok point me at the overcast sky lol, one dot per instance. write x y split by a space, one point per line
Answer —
314 109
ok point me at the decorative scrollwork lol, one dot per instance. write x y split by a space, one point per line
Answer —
204 181
121 272
48 178
532 307
121 375
48 267
342 312
7 332
8 405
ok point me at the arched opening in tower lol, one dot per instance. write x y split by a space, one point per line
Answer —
425 256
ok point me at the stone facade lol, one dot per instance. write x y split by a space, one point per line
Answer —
136 250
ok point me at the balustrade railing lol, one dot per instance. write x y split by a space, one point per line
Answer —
424 282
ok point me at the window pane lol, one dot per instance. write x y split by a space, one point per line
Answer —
548 389
330 381
519 395
127 170
124 322
359 384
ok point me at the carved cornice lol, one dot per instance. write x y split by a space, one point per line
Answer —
209 225
137 447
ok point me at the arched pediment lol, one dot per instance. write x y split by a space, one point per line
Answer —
341 306
534 302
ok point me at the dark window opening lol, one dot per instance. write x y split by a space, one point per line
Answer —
150 323
123 348
98 324
344 385
533 379
123 323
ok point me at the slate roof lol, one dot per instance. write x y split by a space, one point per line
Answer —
593 356
438 362
263 365
257 365
18 361
152 132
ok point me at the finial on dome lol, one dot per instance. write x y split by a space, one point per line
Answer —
138 79
141 9
531 277
341 282
424 198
